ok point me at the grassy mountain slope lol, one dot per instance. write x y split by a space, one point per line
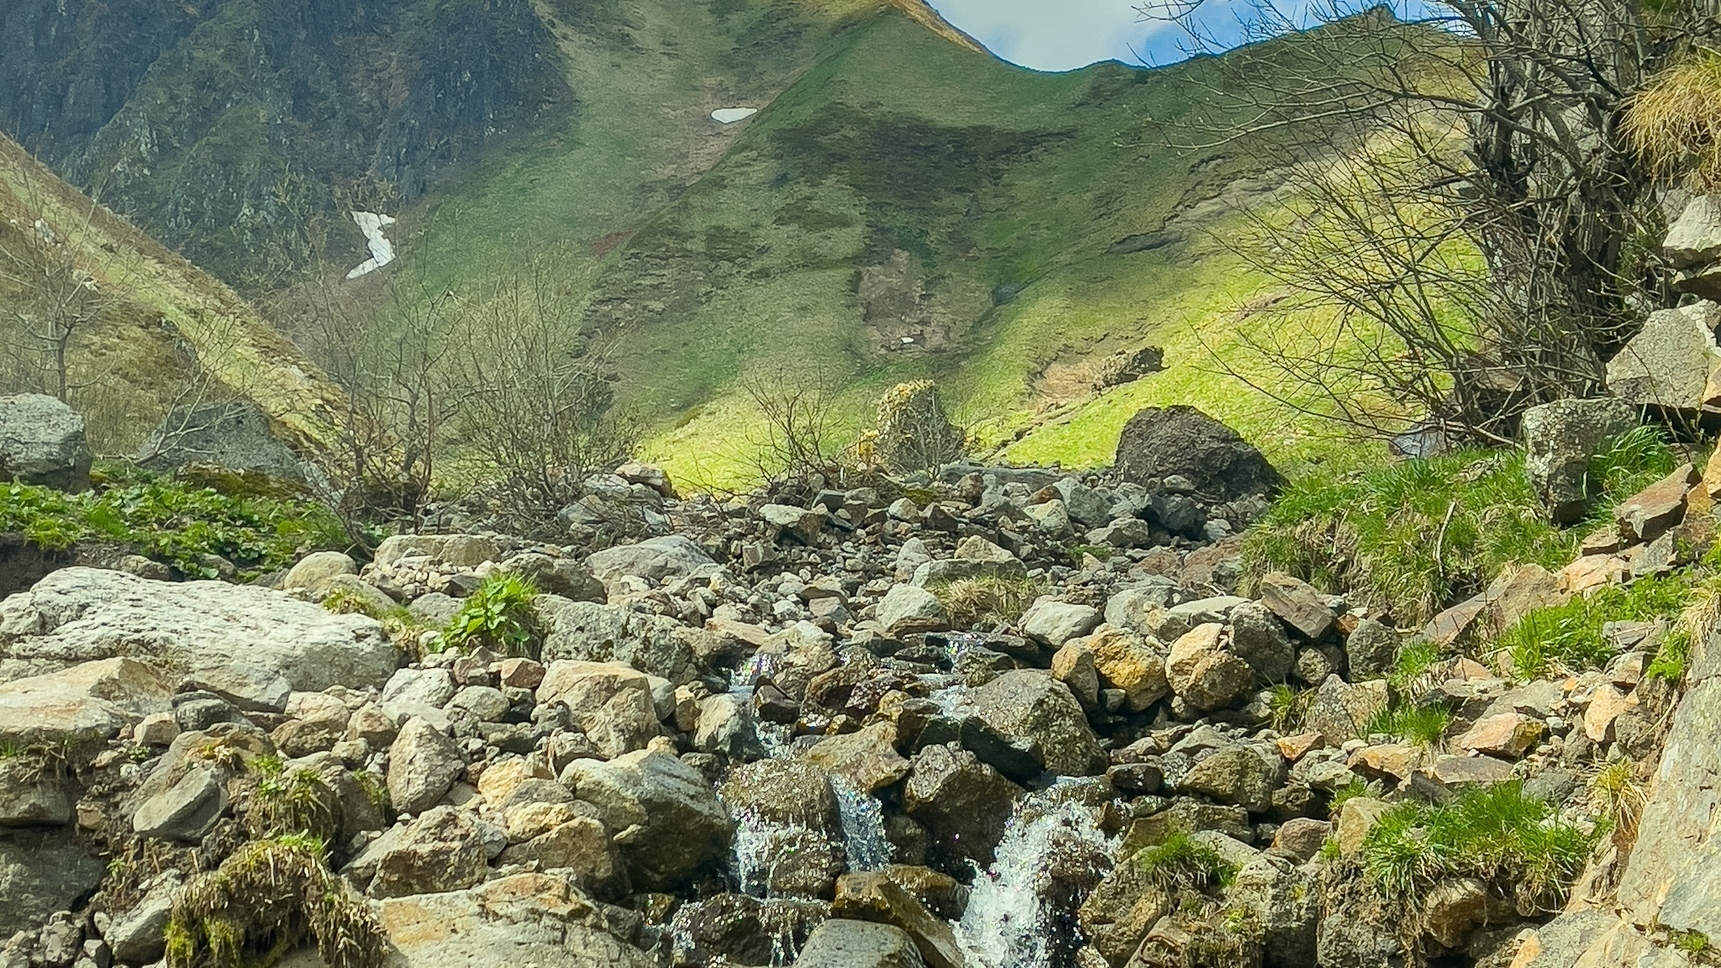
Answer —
162 332
904 207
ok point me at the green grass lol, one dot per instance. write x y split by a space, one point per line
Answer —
174 523
1290 706
1414 660
971 601
1182 864
1511 841
1569 637
1418 725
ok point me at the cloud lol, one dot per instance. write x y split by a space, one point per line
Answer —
1063 35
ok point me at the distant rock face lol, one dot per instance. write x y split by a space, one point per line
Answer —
235 436
1180 441
42 442
82 614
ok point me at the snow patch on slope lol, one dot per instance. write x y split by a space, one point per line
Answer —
381 249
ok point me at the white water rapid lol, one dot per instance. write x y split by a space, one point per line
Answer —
1014 917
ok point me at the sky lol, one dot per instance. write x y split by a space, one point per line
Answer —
1062 35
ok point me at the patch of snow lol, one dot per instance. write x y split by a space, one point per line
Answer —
381 249
732 115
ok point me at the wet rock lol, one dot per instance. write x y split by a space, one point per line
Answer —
866 759
422 764
783 792
842 943
1204 673
667 819
610 702
82 614
1116 917
961 801
875 897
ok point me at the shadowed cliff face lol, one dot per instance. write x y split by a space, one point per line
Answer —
235 129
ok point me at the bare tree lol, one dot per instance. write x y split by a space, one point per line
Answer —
61 302
801 434
1463 196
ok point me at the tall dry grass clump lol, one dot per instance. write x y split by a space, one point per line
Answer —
1675 123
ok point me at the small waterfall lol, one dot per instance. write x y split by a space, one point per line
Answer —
754 845
1021 912
863 827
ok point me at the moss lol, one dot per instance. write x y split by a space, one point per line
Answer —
1182 864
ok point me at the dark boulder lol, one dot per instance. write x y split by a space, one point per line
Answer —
1163 442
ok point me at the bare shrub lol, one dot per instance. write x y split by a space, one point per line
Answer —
802 429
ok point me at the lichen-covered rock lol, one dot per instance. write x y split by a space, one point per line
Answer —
667 819
1181 441
1038 715
1560 439
589 632
1203 671
422 764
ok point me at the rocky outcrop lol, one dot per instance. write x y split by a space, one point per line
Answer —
83 614
234 436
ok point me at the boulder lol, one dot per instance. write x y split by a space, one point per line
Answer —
1668 363
1129 662
83 614
439 851
841 943
1181 441
1656 509
610 702
1241 774
1341 711
866 759
655 559
875 897
562 577
1560 439
1695 236
1258 638
311 576
910 609
787 520
81 705
1073 665
1371 649
236 436
537 919
667 819
963 803
1052 623
589 632
1508 735
422 764
1038 715
42 442
1204 673
42 870
1298 605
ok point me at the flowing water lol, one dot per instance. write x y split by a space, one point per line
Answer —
863 827
1020 912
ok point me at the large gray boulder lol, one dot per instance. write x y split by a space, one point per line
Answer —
42 442
667 819
42 871
1560 438
589 632
1039 716
656 559
609 702
78 615
236 436
1181 441
841 943
1668 363
963 803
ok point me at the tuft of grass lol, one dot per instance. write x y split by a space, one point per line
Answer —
264 902
498 616
1290 706
174 523
402 626
1355 787
290 803
1514 842
1418 725
1182 864
1569 636
1410 538
1414 661
1618 795
998 601
1675 123
1628 464
1692 942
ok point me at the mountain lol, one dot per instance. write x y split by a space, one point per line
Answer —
145 329
903 204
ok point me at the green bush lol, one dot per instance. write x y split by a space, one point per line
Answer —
174 523
498 616
1183 864
1423 725
1413 537
1498 834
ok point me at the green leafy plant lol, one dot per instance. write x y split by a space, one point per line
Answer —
497 616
